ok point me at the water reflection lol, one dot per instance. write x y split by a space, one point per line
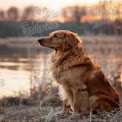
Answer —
14 81
16 65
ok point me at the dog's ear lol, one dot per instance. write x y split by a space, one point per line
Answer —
70 41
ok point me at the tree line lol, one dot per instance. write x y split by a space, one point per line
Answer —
104 17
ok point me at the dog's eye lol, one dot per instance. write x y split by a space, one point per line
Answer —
55 36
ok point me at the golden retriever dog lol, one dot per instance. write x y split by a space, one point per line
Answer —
83 86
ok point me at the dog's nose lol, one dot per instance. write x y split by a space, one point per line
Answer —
40 40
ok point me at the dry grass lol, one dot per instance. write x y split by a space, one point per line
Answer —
46 114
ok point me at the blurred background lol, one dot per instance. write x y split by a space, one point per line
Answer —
24 65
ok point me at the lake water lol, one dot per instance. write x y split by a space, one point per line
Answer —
20 65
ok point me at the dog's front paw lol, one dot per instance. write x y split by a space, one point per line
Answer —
60 114
75 116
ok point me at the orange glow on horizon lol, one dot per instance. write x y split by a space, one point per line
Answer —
57 6
47 3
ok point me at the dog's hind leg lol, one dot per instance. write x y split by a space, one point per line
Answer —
102 103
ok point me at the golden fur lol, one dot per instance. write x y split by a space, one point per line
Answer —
82 84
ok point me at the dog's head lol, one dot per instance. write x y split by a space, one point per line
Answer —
60 40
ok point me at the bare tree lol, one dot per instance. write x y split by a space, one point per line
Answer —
74 13
103 9
13 13
118 10
29 13
2 15
110 9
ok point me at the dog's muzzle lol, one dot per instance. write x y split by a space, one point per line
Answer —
40 41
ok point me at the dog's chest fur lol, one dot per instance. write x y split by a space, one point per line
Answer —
61 73
56 68
63 63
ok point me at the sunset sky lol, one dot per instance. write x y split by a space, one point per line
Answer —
52 4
